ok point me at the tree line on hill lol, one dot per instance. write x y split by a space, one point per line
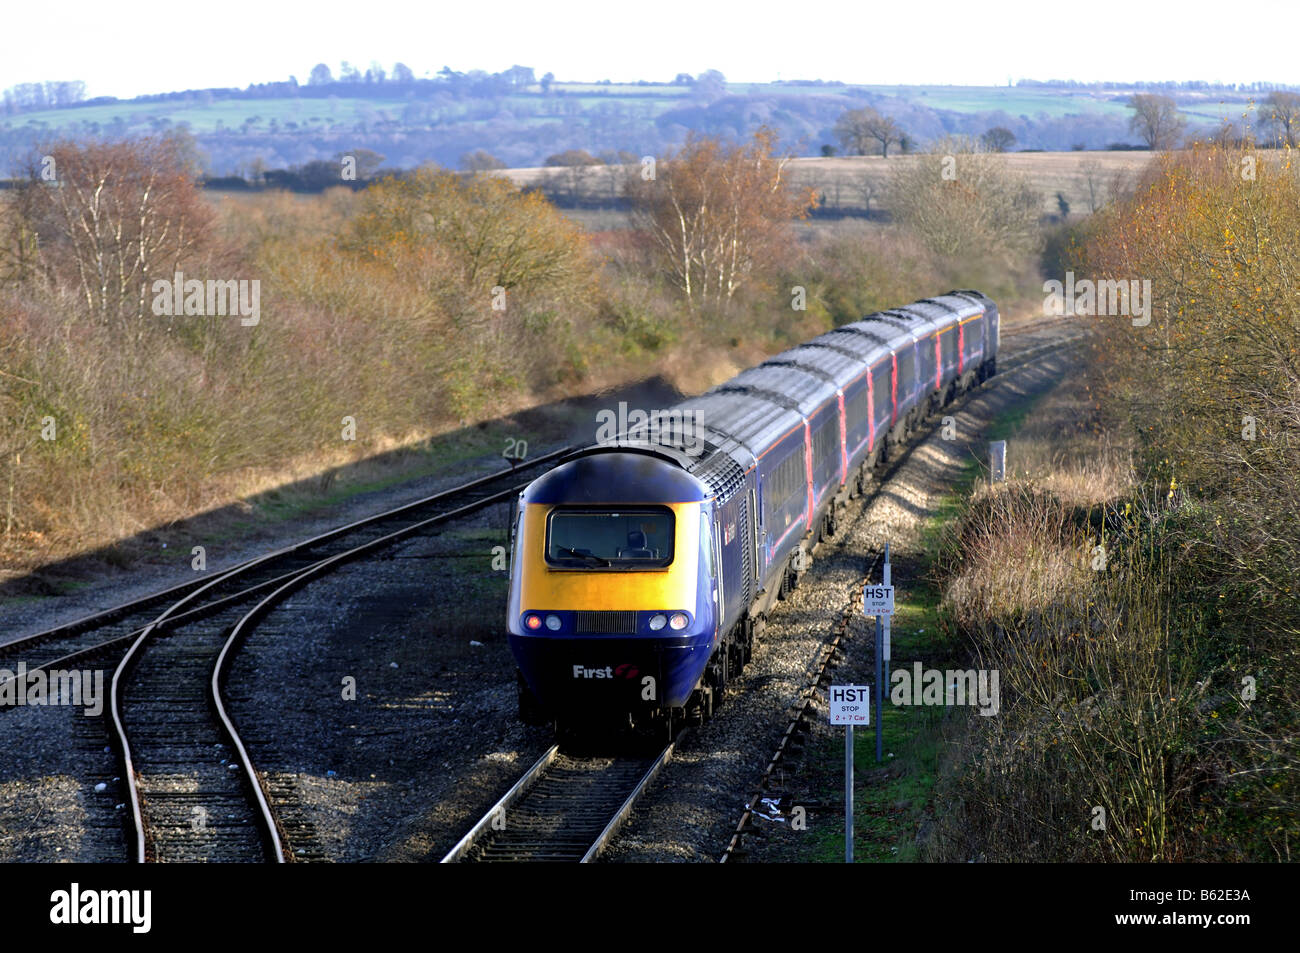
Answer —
375 82
1155 120
519 119
47 95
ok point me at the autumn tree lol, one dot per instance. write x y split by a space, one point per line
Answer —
1221 252
498 283
863 130
1156 121
492 233
717 214
1211 387
1281 116
107 219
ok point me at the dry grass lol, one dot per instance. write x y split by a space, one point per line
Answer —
1121 734
1021 554
1064 449
1058 593
854 183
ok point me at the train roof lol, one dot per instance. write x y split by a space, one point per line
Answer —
864 342
753 422
836 365
785 385
977 298
934 312
893 331
603 475
736 422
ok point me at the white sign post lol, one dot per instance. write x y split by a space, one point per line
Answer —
850 705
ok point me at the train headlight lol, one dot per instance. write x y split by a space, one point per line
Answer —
553 623
678 621
533 622
658 621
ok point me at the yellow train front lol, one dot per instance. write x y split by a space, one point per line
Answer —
612 615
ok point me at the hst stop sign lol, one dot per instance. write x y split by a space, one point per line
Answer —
850 704
877 600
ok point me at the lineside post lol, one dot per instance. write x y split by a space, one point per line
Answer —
848 795
880 665
849 705
997 461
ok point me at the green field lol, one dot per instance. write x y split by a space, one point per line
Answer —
232 113
205 110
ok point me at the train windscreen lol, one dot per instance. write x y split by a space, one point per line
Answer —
624 538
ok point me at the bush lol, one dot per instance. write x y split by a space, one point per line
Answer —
964 203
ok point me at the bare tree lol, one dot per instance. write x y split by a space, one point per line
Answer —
710 85
1226 135
962 202
367 162
1281 116
868 188
1090 169
998 139
861 130
109 218
480 160
1155 119
717 213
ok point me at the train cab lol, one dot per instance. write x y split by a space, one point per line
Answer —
614 604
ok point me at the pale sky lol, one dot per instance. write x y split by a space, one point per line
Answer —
147 46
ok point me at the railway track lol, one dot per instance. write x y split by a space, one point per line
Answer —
170 718
565 809
116 628
190 789
791 743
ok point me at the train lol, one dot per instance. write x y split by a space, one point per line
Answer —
643 568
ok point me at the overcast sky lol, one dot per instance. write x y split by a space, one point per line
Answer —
146 46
